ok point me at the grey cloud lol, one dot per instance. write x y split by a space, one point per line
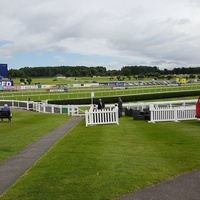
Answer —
57 48
184 21
158 62
163 62
164 32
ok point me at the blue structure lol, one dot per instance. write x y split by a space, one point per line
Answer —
116 84
3 71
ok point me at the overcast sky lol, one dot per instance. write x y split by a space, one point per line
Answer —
110 33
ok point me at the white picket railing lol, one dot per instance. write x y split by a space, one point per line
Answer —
105 116
160 114
145 105
71 110
159 111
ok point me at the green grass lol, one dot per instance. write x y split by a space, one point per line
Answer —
104 162
76 93
69 80
86 79
25 128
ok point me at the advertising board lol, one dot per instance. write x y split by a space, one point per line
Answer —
3 71
6 83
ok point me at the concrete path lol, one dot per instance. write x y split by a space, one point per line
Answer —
16 166
184 187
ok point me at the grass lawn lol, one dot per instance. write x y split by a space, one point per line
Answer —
73 80
106 161
81 92
25 128
77 93
86 79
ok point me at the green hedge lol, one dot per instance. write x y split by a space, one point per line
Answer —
127 98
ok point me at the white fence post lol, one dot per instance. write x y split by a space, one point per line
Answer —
175 114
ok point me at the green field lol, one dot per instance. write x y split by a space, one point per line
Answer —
101 162
77 93
70 80
86 79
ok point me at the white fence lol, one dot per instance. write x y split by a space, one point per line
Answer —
71 110
145 105
105 116
159 111
158 114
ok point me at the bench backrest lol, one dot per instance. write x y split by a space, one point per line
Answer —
4 114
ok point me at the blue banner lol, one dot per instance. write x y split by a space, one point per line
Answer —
116 84
3 71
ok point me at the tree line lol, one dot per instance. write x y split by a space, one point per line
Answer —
81 71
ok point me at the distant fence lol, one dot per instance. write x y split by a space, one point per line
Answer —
71 110
105 116
160 114
144 105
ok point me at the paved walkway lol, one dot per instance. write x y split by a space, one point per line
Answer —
184 187
16 166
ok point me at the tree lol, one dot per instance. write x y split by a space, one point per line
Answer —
29 80
110 77
161 77
118 78
192 76
126 71
76 73
93 71
166 71
141 76
129 78
68 73
169 77
22 80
